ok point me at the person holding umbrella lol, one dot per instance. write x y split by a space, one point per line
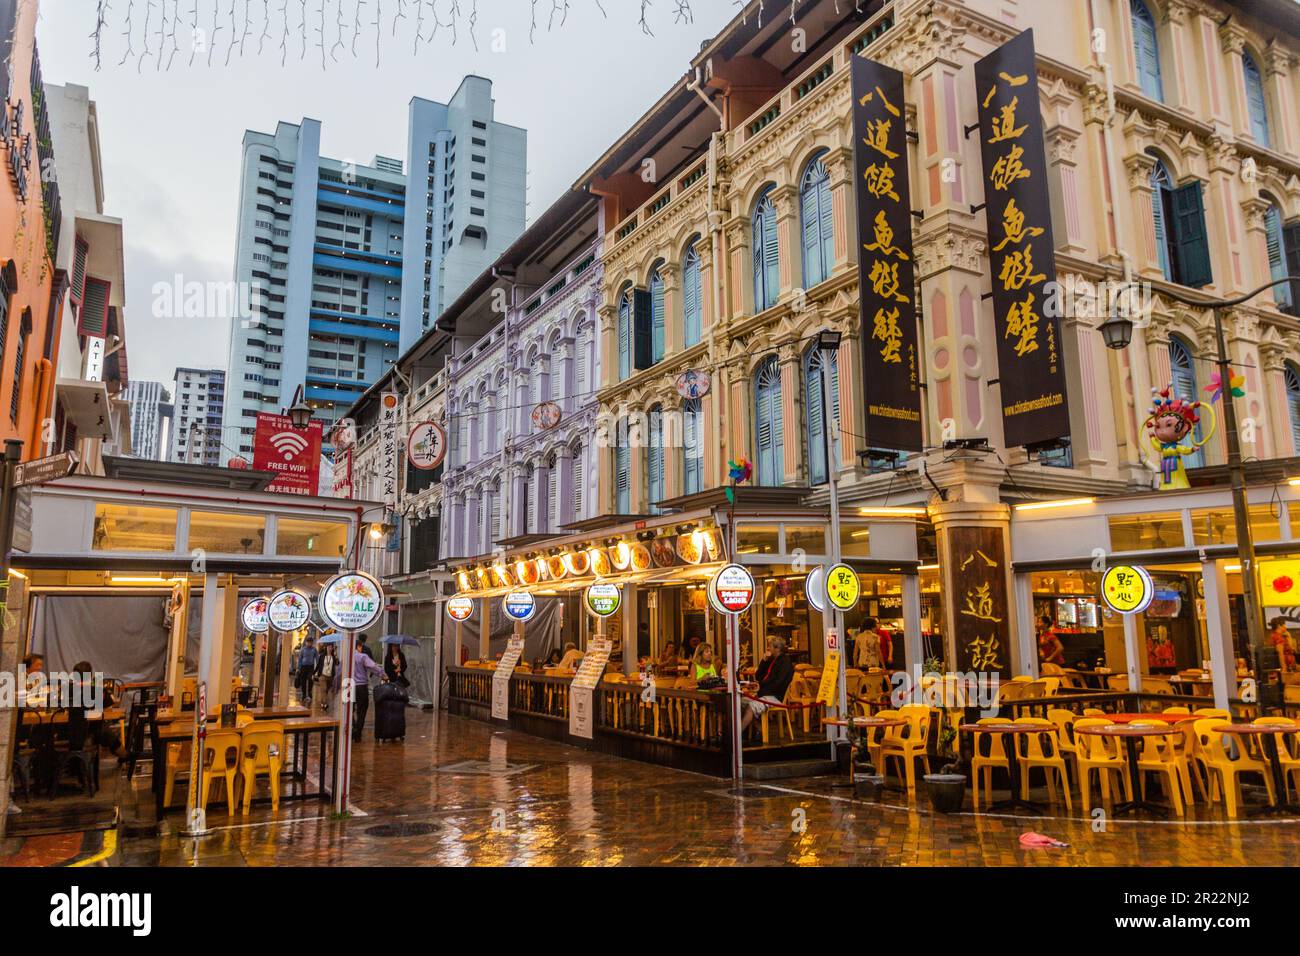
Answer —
395 659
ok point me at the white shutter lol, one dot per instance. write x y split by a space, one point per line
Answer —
578 482
552 499
582 356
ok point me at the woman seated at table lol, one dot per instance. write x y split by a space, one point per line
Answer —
703 665
667 658
571 656
555 658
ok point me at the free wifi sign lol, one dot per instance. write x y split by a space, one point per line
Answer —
293 454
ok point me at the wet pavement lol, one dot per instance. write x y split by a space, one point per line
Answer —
460 792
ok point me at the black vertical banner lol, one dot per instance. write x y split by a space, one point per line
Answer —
890 382
1017 208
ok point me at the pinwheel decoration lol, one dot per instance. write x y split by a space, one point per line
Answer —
1236 382
738 471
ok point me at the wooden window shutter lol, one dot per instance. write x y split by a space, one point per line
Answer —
1291 244
1191 242
92 319
643 329
81 251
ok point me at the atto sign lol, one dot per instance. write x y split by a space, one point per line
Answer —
519 606
426 446
288 610
1127 590
460 608
604 600
257 619
292 453
351 601
731 590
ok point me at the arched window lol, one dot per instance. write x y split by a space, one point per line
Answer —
657 315
814 366
769 439
622 470
1277 257
692 447
1293 403
692 297
625 334
767 261
1256 104
1162 184
816 215
1146 51
654 459
1182 370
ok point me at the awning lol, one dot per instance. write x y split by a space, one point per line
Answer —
260 565
88 406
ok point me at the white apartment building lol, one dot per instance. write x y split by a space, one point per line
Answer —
198 401
350 263
151 415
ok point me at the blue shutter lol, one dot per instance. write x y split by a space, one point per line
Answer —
1277 256
625 336
1293 404
693 449
812 247
657 316
767 263
1191 243
1161 184
1256 105
642 330
691 298
655 460
622 473
816 419
1146 50
1183 382
768 437
1291 247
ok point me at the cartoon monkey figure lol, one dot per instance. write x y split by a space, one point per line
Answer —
1170 422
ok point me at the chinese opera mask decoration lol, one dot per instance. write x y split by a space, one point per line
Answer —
1171 422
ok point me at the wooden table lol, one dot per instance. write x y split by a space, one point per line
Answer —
1268 734
868 722
1130 735
1013 760
36 716
299 728
257 713
1165 718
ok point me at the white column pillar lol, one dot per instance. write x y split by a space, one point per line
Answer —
1025 642
912 643
1223 663
1132 662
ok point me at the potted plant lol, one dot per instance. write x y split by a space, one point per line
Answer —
947 788
868 782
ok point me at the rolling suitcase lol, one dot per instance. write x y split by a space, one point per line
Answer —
390 711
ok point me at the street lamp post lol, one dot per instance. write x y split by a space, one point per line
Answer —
1118 332
828 344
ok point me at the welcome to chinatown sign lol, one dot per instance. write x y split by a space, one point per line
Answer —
293 454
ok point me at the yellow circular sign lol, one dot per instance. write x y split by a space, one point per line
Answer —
843 587
1127 590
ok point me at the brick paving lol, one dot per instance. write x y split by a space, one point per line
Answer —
459 792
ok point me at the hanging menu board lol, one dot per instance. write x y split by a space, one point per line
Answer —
582 717
501 678
890 381
1018 211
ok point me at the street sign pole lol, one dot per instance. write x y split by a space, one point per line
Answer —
834 616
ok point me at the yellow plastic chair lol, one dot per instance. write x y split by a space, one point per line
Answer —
179 755
1225 768
1051 670
1022 679
1043 750
221 750
783 710
1064 721
983 764
1160 756
907 743
1093 712
1118 683
1101 755
1177 710
1051 686
263 749
1011 690
1288 751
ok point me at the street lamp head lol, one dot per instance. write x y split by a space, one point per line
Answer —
828 340
300 414
1117 331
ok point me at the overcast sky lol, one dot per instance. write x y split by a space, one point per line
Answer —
170 137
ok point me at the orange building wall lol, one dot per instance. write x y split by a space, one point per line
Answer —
23 239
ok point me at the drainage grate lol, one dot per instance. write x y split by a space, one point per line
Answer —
402 829
750 793
486 768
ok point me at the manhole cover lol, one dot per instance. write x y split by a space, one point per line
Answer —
750 793
486 768
402 829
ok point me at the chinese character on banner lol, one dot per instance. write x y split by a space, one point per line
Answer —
292 453
390 404
1017 210
981 628
886 278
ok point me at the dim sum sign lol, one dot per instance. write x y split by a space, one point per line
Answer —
351 601
1127 590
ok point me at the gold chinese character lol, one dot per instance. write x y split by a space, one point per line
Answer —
1013 226
1008 169
989 562
1004 127
880 181
1022 322
1018 270
884 281
1013 80
878 137
887 330
884 243
984 653
979 603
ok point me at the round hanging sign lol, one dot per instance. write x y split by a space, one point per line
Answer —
731 590
693 384
546 416
1127 590
426 446
519 606
460 608
351 601
843 587
288 610
256 618
604 600
815 588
